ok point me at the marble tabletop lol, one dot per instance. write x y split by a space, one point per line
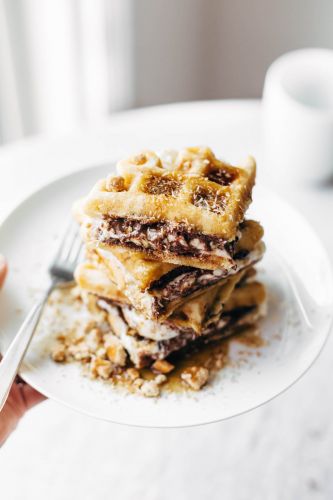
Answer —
281 451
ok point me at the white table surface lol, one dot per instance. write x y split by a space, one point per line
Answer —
281 451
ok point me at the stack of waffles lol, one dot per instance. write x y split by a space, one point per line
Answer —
170 254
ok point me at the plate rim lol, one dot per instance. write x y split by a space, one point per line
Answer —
62 178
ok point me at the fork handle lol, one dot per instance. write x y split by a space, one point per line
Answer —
11 361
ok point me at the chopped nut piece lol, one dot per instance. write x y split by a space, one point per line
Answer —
90 325
132 374
59 353
115 351
116 354
78 339
160 379
150 389
162 366
140 159
138 382
115 184
79 352
94 339
100 368
101 352
195 376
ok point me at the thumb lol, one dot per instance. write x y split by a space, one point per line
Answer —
31 396
3 270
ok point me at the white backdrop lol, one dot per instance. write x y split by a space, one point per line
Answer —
204 49
63 61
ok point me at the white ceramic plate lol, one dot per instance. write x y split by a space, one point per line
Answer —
295 270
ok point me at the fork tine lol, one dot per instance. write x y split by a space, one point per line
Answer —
74 256
64 241
68 254
81 254
74 242
70 242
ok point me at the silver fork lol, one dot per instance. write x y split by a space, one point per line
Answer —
61 270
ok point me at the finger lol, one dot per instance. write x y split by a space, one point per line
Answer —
3 270
31 396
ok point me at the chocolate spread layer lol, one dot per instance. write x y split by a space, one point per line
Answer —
189 341
184 281
162 237
179 283
186 338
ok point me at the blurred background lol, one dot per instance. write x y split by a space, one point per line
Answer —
66 61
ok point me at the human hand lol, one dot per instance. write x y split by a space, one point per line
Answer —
22 397
3 270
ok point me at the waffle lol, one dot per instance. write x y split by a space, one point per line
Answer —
93 278
184 208
197 313
169 268
143 351
157 289
192 316
248 294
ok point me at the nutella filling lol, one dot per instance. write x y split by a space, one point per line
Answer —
184 281
187 340
191 340
148 350
162 237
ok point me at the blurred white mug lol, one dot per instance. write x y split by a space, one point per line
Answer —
298 116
